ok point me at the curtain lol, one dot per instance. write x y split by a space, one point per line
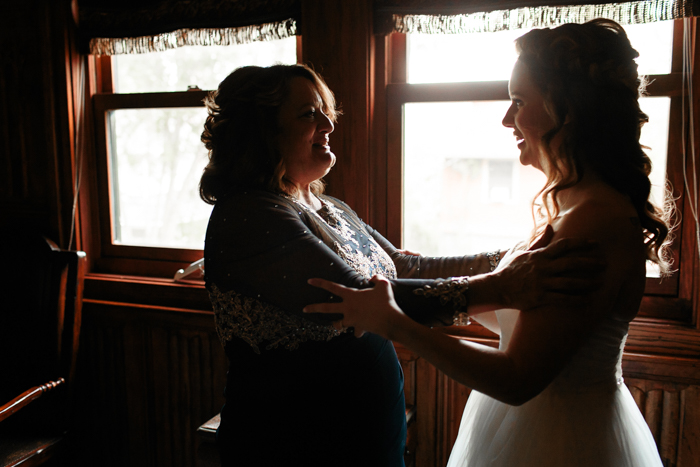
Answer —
138 26
464 16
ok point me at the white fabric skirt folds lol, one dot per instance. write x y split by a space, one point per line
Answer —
599 427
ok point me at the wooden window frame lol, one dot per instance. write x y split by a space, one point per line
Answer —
670 301
111 257
106 256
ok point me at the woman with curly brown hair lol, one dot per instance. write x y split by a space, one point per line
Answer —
299 390
553 394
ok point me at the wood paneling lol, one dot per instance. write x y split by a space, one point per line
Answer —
338 42
671 410
148 379
36 183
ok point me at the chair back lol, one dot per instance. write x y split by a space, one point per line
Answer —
40 319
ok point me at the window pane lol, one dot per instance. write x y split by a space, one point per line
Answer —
201 66
464 189
443 58
156 161
655 137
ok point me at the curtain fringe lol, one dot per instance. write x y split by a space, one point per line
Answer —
539 17
182 37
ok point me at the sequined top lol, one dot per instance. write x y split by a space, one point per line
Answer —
261 248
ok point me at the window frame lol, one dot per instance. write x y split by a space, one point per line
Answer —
103 104
108 257
668 300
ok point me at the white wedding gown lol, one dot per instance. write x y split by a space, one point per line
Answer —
586 417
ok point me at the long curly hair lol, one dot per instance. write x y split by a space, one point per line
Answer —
242 126
588 77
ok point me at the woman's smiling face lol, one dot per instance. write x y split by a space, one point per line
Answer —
528 118
303 140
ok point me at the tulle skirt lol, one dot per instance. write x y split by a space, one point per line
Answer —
601 428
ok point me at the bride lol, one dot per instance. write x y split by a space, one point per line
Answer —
552 393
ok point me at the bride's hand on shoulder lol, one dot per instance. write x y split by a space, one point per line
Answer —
366 310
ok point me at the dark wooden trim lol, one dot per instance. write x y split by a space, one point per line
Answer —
378 137
397 59
689 263
677 56
157 316
394 181
400 93
155 253
146 100
146 291
337 37
149 268
661 368
103 73
426 413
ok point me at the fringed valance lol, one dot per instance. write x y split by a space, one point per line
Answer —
453 17
136 26
182 37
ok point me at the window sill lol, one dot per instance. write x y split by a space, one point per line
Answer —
153 291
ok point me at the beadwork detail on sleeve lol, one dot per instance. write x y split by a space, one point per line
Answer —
451 291
494 258
257 322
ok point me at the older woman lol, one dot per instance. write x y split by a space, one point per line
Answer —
553 394
300 391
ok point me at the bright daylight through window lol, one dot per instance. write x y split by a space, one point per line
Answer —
464 190
156 156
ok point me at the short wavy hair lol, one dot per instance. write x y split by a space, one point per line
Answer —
588 77
242 126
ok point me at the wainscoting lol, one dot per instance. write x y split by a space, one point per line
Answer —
149 376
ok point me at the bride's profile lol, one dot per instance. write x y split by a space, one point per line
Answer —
552 394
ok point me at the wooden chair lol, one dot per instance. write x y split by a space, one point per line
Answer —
40 317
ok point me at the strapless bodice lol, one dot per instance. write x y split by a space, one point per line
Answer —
596 365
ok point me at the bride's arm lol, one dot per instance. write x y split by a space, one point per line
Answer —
544 339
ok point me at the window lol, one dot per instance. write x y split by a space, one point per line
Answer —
150 116
462 188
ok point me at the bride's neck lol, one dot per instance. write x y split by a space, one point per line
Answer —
574 195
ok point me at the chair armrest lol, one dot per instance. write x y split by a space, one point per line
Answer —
26 398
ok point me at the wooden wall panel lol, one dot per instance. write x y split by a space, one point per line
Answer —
338 42
689 448
672 411
146 383
35 156
100 425
454 395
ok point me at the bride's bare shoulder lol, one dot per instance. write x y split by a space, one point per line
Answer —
604 215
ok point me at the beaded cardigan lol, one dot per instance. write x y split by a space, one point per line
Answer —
262 247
